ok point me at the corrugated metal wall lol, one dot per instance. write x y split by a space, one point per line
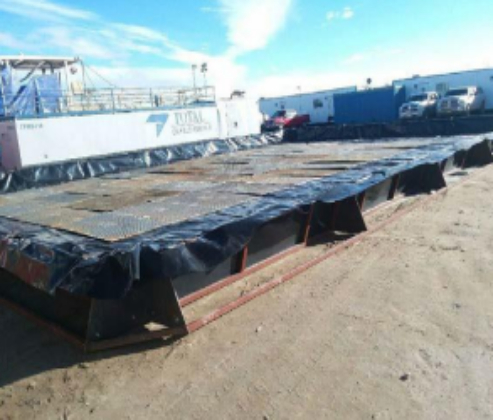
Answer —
369 106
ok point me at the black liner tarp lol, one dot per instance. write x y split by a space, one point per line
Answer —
51 259
459 126
92 167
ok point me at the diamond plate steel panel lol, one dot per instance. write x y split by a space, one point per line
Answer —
185 186
113 227
57 218
257 189
60 198
184 207
132 200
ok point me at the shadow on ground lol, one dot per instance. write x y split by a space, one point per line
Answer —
27 350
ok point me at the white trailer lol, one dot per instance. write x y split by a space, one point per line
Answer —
319 105
40 125
441 83
28 141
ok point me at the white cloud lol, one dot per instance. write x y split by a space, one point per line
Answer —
307 81
44 10
73 41
140 33
376 53
223 71
331 15
355 58
82 32
253 23
346 13
9 41
147 77
208 9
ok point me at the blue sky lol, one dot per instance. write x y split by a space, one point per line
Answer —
266 47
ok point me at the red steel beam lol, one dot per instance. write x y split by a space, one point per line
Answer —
361 200
242 265
308 224
394 186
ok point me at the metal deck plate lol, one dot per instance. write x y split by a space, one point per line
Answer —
120 206
113 227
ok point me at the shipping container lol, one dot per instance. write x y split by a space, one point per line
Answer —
319 105
441 83
379 105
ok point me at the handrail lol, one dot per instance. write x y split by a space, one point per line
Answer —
50 102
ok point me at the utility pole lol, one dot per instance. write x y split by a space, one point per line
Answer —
204 69
299 99
194 69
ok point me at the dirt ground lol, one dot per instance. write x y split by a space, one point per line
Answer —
398 327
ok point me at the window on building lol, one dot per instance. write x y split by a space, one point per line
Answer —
317 103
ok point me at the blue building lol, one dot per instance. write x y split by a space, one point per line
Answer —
379 105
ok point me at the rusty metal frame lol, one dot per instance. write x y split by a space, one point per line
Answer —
240 264
345 216
75 326
92 346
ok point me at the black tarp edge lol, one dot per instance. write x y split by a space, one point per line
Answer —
92 167
453 126
51 259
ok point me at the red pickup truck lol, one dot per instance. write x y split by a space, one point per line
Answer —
285 119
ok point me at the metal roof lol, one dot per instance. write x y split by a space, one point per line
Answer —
331 91
430 76
24 62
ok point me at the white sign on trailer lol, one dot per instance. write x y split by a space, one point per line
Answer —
37 141
49 140
193 121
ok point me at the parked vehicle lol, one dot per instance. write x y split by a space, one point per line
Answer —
442 83
288 118
422 105
464 100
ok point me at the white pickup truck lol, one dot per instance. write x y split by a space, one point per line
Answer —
465 100
422 105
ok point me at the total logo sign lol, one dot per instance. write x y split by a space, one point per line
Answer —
182 122
160 120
